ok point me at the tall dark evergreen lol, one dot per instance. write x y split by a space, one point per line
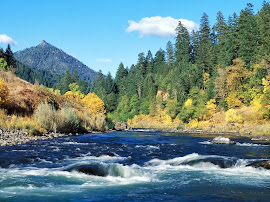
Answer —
170 53
205 56
9 57
121 74
263 20
248 35
221 32
182 44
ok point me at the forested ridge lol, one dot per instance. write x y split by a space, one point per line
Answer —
214 69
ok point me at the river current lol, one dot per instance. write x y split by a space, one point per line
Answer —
134 166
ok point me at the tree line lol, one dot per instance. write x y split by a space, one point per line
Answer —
226 65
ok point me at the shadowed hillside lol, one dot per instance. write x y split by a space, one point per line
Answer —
48 57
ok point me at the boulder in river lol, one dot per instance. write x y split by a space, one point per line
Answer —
222 140
122 126
261 164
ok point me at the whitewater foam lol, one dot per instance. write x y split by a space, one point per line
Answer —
208 142
148 147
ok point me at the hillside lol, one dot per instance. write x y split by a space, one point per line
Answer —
37 110
47 57
25 97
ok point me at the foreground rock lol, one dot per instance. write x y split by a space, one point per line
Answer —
122 126
261 164
222 140
8 138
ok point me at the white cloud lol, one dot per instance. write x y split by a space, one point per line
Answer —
159 26
6 39
104 60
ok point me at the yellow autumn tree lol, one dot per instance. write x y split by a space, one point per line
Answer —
233 100
4 92
212 107
74 93
233 117
94 104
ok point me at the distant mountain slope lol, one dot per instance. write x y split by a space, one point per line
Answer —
47 57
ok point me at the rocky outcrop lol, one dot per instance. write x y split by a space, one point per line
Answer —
261 164
122 126
222 140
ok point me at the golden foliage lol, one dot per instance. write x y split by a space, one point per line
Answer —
233 117
94 104
233 100
161 120
257 107
211 106
26 124
188 103
206 77
193 123
4 92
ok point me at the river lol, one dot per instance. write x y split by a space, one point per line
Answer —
134 166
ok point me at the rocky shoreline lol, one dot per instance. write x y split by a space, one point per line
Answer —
9 138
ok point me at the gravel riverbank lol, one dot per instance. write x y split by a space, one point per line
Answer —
8 138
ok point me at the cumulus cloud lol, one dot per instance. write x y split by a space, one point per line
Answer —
159 26
104 60
7 40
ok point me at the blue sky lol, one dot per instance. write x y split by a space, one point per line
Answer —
103 33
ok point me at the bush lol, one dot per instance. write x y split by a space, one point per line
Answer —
233 117
67 120
64 120
45 114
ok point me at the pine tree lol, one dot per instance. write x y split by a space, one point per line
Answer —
182 45
9 57
205 55
121 74
170 53
263 20
248 35
221 31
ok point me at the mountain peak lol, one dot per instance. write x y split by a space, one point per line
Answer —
43 43
48 57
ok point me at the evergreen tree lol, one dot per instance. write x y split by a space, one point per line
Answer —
120 77
182 45
205 55
221 32
2 54
248 35
263 20
67 79
170 53
9 57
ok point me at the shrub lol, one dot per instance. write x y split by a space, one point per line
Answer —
233 117
4 92
45 114
100 122
64 120
67 120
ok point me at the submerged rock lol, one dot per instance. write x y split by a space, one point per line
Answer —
222 140
261 164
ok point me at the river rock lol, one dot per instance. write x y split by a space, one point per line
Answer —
222 140
122 126
261 164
